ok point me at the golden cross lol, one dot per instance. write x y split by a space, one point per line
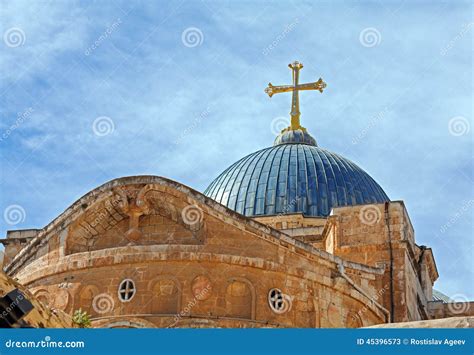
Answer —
295 88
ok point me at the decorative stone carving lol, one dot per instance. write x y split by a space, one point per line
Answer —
85 298
43 296
133 205
353 320
152 199
61 299
94 221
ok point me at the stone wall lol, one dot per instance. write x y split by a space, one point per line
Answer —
439 309
382 235
455 322
15 241
187 261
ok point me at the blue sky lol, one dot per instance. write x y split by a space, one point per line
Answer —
92 91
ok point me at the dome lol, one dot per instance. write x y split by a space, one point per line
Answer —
293 178
438 296
295 175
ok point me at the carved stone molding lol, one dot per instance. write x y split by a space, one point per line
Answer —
134 206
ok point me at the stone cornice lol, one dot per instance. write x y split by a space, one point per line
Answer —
214 208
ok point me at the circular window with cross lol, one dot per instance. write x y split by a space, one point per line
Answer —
278 301
126 290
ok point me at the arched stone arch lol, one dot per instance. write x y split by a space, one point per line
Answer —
185 214
61 299
100 218
240 298
165 295
152 196
43 296
85 298
335 315
128 323
353 320
145 215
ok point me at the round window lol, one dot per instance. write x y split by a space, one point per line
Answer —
126 290
278 301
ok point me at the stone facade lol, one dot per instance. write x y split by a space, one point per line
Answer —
149 252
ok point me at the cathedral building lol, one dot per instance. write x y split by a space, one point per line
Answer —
292 235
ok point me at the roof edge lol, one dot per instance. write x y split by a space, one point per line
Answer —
22 256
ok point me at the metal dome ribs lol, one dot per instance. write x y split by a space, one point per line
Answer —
293 178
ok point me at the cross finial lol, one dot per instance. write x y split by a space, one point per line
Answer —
295 88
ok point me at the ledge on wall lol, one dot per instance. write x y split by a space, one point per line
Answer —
454 322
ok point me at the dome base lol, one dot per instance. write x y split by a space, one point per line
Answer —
297 136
